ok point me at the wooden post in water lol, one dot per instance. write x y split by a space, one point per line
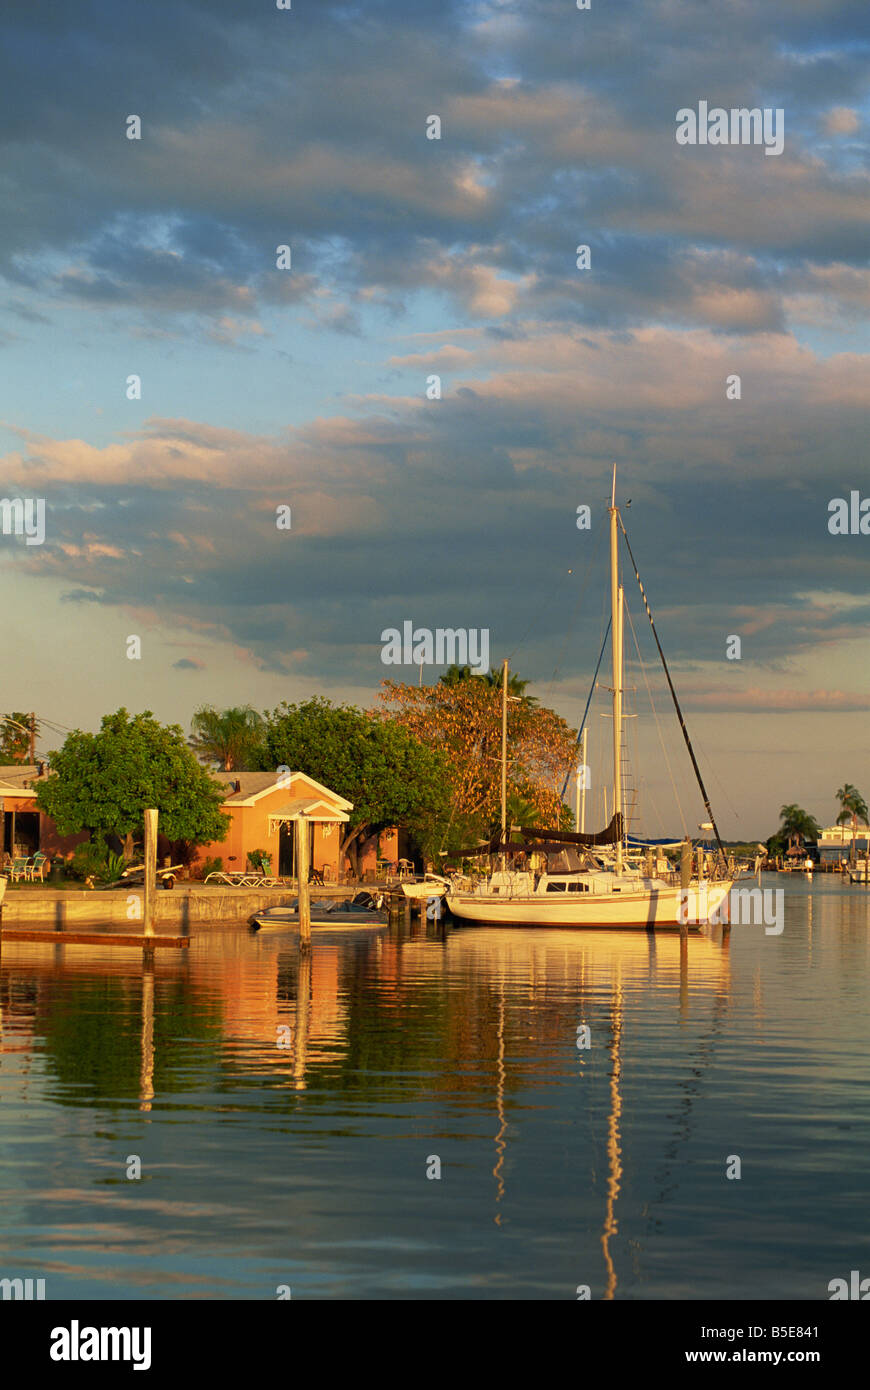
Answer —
150 869
685 880
302 880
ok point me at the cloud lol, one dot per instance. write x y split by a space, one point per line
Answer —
841 120
185 664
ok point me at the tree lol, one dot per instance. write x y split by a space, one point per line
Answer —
103 782
796 824
232 737
15 734
516 686
391 778
462 721
455 675
853 808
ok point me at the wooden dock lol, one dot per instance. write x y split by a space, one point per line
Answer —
93 938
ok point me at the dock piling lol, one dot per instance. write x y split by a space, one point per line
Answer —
150 868
685 880
302 880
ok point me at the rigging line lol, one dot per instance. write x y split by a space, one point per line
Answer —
586 711
674 696
658 725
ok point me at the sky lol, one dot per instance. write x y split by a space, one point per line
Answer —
310 387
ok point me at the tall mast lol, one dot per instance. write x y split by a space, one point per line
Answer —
616 646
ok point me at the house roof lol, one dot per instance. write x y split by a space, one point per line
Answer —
254 785
18 776
314 807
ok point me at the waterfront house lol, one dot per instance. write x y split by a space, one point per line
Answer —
26 829
835 843
264 807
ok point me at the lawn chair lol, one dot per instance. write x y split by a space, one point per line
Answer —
37 867
19 867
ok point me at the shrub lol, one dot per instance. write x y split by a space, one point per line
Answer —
210 866
94 860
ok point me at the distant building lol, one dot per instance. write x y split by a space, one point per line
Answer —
835 843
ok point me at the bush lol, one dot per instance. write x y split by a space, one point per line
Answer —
256 857
210 866
94 860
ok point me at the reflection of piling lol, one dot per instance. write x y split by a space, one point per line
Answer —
150 869
303 1019
685 880
302 856
146 1070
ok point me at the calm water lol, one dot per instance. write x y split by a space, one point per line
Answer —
306 1165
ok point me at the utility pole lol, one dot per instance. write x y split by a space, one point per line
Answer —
32 737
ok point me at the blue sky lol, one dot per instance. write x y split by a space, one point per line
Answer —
457 257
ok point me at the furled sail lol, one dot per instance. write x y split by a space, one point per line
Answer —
611 836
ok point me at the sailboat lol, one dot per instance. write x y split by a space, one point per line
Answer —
612 891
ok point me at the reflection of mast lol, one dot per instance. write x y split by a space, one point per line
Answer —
499 1104
146 1072
303 1019
614 1153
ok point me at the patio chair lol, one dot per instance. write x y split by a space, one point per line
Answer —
406 868
19 867
37 867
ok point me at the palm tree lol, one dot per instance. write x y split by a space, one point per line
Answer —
455 674
516 687
797 824
853 808
230 737
15 735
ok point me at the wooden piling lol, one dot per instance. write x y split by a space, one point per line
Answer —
685 880
150 869
302 856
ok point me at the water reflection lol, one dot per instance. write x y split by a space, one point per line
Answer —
600 1166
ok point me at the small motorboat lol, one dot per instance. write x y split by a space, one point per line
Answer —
429 886
285 915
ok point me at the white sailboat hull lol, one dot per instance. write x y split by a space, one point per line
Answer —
429 888
659 908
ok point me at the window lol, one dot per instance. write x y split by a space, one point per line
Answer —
555 887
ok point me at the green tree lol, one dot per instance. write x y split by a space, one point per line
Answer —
455 675
390 777
15 736
797 825
103 782
232 737
853 808
516 686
